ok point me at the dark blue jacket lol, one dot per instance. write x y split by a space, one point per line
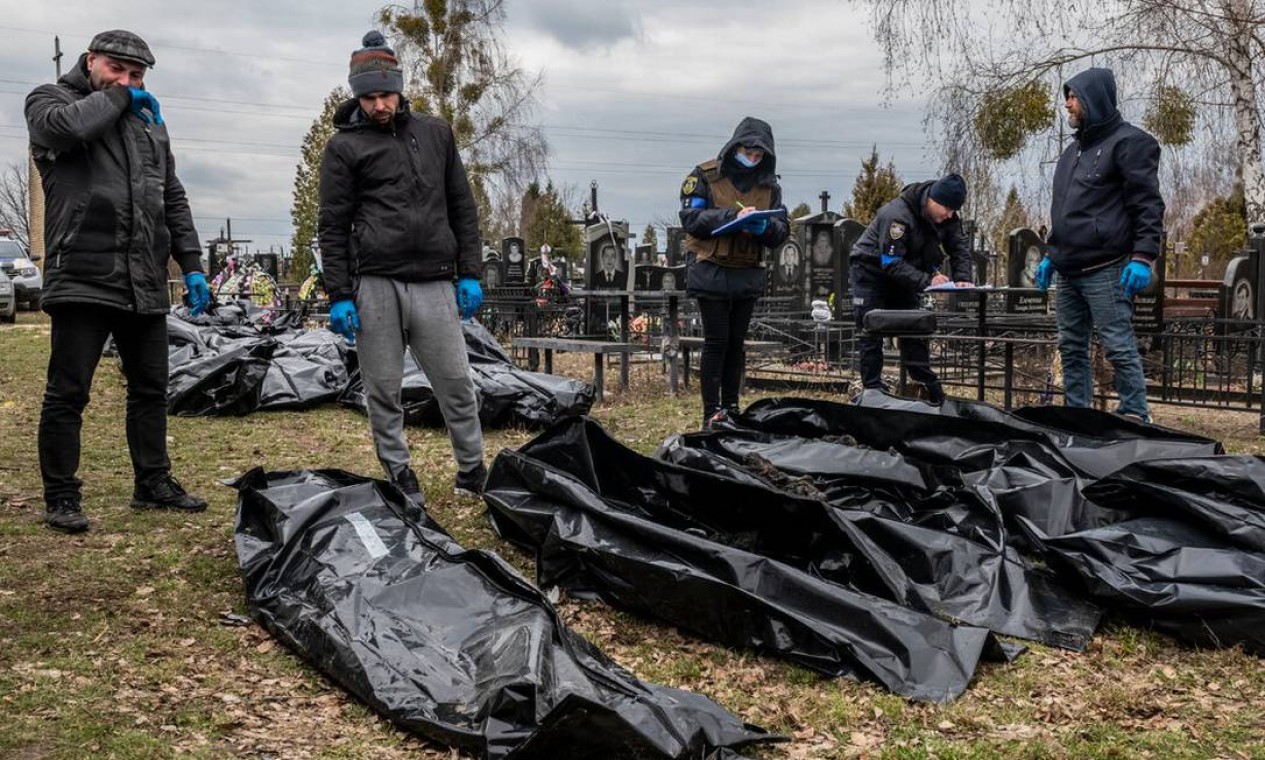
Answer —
901 227
1107 203
703 278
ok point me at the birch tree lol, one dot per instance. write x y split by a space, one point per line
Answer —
1193 63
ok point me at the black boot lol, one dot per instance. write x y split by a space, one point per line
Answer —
406 481
935 394
65 515
471 483
165 492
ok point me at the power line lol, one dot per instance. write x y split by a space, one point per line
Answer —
190 48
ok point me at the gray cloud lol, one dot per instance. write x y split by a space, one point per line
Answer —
629 99
583 26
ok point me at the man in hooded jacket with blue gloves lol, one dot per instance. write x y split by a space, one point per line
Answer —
399 233
1106 223
115 214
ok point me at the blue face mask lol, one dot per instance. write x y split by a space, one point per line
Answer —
742 159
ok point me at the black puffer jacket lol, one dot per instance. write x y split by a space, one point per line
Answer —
902 227
395 202
115 210
1106 202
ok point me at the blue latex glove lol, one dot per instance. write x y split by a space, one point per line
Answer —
1135 277
344 320
199 292
1045 273
887 260
757 226
469 297
142 101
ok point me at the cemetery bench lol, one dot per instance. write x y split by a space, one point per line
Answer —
750 346
599 349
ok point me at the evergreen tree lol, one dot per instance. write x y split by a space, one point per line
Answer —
1219 229
1013 216
874 186
803 209
307 180
550 223
650 237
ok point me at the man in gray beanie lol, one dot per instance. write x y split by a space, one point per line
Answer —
900 255
115 213
399 234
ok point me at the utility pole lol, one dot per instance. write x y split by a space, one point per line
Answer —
35 187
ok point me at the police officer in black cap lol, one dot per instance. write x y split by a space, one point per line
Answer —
115 214
899 256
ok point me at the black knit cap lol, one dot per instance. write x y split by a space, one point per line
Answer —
122 44
949 191
374 67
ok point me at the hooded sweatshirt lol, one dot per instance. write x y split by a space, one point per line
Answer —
1106 204
700 214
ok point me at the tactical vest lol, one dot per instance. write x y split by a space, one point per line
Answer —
737 249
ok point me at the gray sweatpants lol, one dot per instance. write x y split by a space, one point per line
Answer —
422 316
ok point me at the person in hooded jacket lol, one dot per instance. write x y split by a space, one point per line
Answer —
900 255
399 233
115 214
724 272
1106 225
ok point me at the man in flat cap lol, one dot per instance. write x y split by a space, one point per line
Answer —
115 212
399 232
900 255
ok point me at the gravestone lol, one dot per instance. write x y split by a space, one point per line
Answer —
607 245
654 277
786 271
492 275
676 246
1148 306
821 256
512 254
1238 289
1025 249
644 254
847 231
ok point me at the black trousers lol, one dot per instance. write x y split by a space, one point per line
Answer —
876 293
79 334
725 324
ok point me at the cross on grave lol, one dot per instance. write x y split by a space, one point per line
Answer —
825 200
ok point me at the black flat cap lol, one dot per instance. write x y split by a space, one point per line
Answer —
122 44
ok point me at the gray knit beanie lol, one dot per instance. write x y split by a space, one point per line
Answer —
374 68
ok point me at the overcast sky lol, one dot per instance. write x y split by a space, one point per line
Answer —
635 92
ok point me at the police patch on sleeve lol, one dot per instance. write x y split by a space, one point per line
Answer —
691 183
896 231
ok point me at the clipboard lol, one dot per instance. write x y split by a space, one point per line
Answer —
949 287
727 227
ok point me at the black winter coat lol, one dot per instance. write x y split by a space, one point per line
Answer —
395 202
114 209
1106 202
902 228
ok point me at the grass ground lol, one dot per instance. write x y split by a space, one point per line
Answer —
112 643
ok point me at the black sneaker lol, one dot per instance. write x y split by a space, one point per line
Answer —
406 481
65 515
165 493
471 483
935 394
